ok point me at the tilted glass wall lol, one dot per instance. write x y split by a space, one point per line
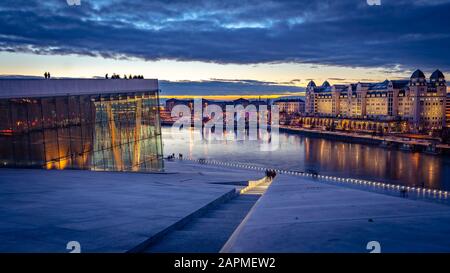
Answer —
112 132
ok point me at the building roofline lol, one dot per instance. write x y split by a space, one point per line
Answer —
28 88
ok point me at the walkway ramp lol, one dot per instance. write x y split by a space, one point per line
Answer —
299 214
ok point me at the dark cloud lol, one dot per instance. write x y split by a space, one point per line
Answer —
245 81
337 79
399 34
9 77
220 87
291 82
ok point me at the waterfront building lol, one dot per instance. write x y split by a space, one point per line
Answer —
414 105
108 125
171 103
249 106
290 106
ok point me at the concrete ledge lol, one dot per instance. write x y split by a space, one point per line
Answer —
158 236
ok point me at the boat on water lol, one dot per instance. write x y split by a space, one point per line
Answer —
386 144
433 150
407 147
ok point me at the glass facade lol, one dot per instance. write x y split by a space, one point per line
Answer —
107 132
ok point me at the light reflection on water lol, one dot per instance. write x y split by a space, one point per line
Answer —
330 157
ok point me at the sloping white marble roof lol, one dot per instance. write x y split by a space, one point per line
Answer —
18 88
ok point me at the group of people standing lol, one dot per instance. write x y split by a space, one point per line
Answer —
114 76
271 174
130 77
172 156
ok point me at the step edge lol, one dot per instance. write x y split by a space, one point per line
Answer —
183 221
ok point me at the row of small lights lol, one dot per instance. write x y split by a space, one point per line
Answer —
418 190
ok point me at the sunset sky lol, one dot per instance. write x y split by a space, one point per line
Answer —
226 47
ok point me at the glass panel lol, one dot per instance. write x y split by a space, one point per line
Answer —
112 132
64 151
50 133
6 135
76 132
19 117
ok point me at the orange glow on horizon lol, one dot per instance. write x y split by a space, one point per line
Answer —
231 97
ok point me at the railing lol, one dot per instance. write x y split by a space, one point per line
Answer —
404 190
